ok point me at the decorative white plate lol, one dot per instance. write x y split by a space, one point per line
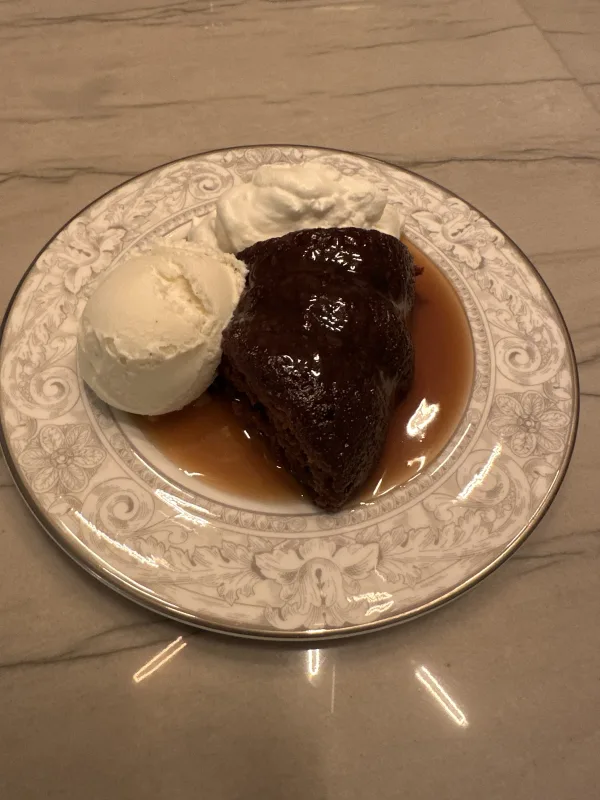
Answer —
120 509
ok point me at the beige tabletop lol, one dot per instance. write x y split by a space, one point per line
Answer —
498 101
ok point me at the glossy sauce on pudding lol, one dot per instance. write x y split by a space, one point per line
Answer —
208 440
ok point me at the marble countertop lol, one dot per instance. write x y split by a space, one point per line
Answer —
499 102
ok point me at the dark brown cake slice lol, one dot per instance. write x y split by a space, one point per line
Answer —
318 352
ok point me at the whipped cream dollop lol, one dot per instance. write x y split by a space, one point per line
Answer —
281 198
149 339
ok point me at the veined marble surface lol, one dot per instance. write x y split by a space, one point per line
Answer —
498 101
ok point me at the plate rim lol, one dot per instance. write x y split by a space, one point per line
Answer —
116 583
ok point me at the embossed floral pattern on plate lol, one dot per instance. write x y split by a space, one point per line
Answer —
126 513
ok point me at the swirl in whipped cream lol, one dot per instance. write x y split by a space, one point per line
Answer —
282 198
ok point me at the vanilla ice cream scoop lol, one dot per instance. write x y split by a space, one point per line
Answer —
282 198
150 335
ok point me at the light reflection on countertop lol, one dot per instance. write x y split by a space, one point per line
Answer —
160 659
441 696
313 663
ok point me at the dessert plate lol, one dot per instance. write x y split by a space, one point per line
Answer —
174 545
